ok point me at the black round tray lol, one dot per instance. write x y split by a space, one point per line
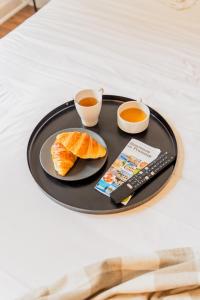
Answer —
81 196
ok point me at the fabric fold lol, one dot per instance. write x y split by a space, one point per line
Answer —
167 275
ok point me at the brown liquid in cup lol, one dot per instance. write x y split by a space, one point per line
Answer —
133 114
89 101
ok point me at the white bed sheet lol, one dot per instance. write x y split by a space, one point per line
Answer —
131 48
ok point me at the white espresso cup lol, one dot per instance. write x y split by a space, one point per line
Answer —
89 114
133 127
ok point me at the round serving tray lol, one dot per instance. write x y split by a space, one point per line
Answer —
81 195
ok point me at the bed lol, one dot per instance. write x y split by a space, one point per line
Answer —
131 48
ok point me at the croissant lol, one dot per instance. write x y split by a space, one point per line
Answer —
62 158
81 144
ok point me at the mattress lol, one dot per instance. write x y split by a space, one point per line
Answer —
130 48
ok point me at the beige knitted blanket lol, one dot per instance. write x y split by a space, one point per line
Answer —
167 275
179 4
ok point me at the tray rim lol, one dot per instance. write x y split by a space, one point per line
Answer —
106 97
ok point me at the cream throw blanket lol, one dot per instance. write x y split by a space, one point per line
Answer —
167 275
179 4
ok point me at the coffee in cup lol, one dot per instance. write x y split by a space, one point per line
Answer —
88 105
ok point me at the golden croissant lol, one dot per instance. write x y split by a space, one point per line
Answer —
81 144
62 158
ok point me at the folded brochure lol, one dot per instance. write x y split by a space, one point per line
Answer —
133 158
